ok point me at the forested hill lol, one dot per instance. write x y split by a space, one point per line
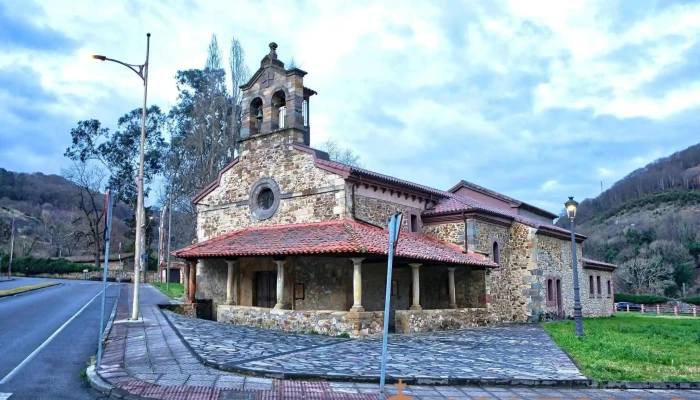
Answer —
648 223
679 171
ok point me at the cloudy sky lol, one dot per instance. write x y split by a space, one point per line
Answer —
539 100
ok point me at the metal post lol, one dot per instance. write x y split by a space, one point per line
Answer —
394 226
578 314
108 228
167 256
12 249
139 200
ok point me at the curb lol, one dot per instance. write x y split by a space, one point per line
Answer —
29 290
110 320
106 388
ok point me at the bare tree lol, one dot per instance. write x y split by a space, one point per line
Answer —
340 154
89 180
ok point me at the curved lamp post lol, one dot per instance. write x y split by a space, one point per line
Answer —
571 207
142 71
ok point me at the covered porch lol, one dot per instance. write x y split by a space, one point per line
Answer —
330 278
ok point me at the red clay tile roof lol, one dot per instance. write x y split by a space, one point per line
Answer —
500 196
596 263
460 203
340 237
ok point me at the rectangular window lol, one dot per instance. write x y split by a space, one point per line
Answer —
415 226
598 286
609 289
591 288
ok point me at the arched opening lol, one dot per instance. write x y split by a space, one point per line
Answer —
256 115
279 110
495 255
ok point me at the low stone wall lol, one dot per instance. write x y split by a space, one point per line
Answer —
409 321
326 322
151 277
202 309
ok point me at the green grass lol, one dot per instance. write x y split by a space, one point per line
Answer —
22 289
175 290
633 347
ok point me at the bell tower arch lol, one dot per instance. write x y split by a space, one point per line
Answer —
276 100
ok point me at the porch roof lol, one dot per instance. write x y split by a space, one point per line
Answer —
329 237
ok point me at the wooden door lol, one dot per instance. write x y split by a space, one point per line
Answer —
265 289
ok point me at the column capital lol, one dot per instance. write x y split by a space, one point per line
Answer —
280 263
357 260
451 269
415 265
192 262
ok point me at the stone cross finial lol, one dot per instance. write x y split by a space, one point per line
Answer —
273 53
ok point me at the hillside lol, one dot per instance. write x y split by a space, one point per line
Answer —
47 220
648 223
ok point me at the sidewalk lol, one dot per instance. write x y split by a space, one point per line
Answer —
147 359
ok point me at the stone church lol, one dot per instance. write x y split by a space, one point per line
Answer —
288 239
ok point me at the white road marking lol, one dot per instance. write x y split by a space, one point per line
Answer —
5 396
46 342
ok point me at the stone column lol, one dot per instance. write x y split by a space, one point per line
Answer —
280 284
231 283
453 292
192 293
357 285
186 279
416 287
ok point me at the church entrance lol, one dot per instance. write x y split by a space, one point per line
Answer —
265 289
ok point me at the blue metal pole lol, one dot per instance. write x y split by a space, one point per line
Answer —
394 224
108 227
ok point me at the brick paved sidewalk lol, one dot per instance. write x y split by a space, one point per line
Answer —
148 359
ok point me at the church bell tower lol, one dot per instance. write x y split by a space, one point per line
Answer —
275 100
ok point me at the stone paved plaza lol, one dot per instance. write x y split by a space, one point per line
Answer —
515 351
148 359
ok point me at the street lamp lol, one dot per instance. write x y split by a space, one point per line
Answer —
571 207
142 71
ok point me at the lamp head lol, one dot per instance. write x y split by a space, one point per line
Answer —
571 207
99 57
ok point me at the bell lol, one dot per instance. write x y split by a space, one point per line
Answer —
260 116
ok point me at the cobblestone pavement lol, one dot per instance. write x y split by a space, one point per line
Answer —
519 351
148 359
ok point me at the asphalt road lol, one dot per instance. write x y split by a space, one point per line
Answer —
19 281
64 319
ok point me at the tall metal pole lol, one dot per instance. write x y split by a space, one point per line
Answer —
108 229
12 249
578 314
139 200
394 227
167 256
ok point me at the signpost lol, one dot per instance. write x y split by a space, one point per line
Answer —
394 229
108 231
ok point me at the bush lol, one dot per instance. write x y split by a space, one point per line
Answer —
35 266
639 298
692 300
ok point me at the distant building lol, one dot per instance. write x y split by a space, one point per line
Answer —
290 240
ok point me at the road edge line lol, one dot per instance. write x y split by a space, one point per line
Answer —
46 342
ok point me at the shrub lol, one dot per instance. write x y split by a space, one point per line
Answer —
35 266
692 300
639 298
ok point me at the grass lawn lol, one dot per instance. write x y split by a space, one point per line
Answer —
22 289
633 347
175 290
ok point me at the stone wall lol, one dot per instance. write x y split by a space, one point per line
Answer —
307 193
470 287
409 321
326 322
504 284
200 309
452 232
378 211
151 277
683 308
211 280
327 283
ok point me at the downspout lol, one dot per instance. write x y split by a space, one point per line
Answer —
466 231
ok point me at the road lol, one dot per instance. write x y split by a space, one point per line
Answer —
64 319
